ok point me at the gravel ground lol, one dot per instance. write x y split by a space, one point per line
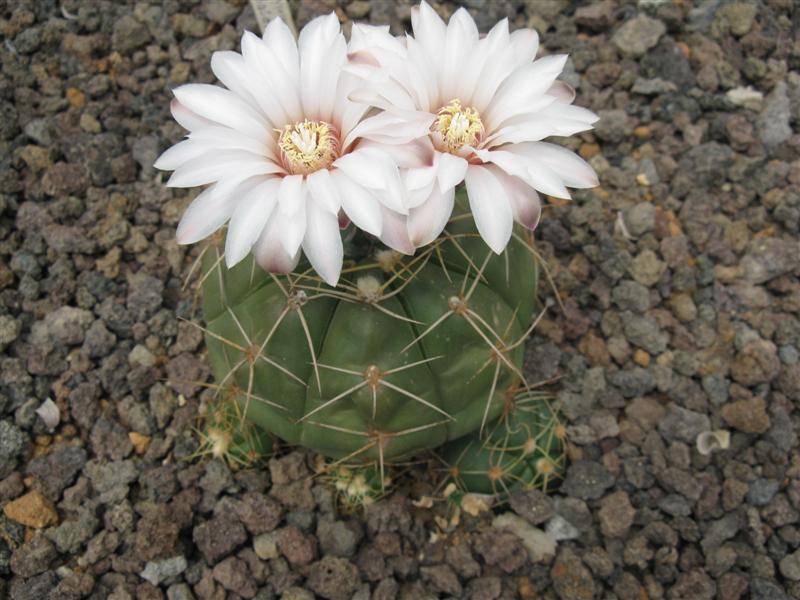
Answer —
682 316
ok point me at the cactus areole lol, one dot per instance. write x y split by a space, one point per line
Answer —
405 354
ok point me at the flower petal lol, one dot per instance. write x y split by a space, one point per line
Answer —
180 153
278 90
324 191
323 53
395 231
427 221
359 204
451 170
280 39
186 118
570 168
535 174
269 250
249 218
461 37
525 204
377 172
322 243
211 167
490 207
211 209
223 106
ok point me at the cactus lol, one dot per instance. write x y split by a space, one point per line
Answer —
404 355
524 448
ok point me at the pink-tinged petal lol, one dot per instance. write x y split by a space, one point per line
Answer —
525 43
570 168
222 138
249 219
324 191
525 204
230 68
562 92
211 209
386 95
549 121
430 31
180 153
483 62
395 231
396 127
524 90
428 220
377 172
451 170
461 38
359 204
211 167
280 39
323 52
223 106
490 207
278 89
346 113
423 76
536 174
186 118
269 251
322 243
416 154
419 184
291 195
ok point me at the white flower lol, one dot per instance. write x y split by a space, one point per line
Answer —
489 104
284 149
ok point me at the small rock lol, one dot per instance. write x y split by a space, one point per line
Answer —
645 332
234 575
33 557
333 578
158 571
739 16
32 510
266 546
571 579
616 515
532 505
638 35
12 443
65 179
558 528
774 121
501 548
587 480
613 125
218 537
768 258
597 16
442 580
338 538
749 416
259 513
682 424
9 330
298 548
129 34
541 546
762 491
790 566
647 269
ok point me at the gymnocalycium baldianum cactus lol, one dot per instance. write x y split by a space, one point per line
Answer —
404 355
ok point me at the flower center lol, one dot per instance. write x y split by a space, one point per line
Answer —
456 126
308 146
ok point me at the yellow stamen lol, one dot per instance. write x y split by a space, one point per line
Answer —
457 126
308 146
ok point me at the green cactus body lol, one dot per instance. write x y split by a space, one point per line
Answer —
523 448
407 353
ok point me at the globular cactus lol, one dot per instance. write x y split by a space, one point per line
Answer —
524 449
404 355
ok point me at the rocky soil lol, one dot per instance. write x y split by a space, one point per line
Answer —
681 317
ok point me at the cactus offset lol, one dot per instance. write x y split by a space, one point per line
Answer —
404 355
524 448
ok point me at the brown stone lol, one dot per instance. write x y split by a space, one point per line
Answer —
616 514
748 415
32 510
